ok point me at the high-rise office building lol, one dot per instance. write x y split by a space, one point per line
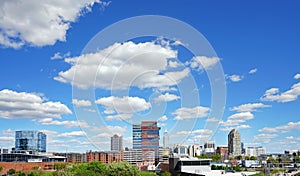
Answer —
166 139
30 140
150 141
136 136
116 143
234 143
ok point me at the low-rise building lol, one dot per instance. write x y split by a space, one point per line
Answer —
255 151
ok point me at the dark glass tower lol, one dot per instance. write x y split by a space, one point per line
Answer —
137 136
30 140
150 141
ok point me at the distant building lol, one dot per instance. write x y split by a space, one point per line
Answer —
133 156
30 140
166 139
186 165
30 156
234 143
145 136
209 148
150 141
255 151
195 150
180 149
2 150
136 136
116 143
164 154
223 151
73 157
104 157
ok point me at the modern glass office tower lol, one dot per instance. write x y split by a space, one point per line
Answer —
116 143
30 140
137 136
234 143
150 141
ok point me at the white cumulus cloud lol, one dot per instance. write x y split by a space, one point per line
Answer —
38 23
77 102
273 94
203 62
66 123
163 118
235 78
297 76
167 97
252 71
72 134
124 104
121 65
17 105
190 113
249 107
282 129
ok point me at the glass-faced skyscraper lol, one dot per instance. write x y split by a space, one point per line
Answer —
116 143
234 143
137 136
30 140
145 136
150 141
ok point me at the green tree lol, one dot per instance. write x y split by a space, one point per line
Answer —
144 173
252 158
297 159
11 171
271 160
286 160
166 174
96 167
238 157
203 156
216 157
1 168
121 168
247 157
60 166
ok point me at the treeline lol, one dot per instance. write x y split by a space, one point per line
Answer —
94 168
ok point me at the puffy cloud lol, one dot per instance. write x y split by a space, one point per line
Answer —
249 107
163 118
273 94
297 76
38 23
252 71
81 102
167 97
212 119
190 113
125 104
282 129
237 119
173 64
203 62
121 65
16 105
264 137
72 134
119 117
235 78
66 123
58 55
195 132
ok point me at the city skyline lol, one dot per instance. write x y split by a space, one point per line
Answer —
256 45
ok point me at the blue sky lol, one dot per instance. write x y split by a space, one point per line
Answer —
254 43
